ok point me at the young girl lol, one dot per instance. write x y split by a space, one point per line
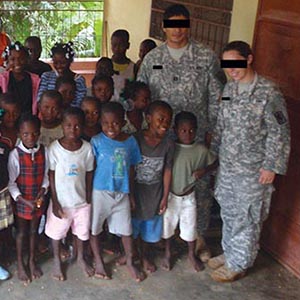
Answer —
10 110
71 172
62 56
91 109
66 86
50 107
28 183
103 88
16 80
137 94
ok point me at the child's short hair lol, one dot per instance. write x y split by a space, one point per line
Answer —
103 78
65 49
9 98
158 104
241 47
122 34
67 79
17 46
74 111
34 40
92 99
132 88
185 116
149 44
53 94
176 10
113 107
107 62
30 118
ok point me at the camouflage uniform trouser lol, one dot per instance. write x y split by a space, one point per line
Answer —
244 206
204 200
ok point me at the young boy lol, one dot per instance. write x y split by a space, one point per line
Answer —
28 183
153 178
123 66
191 161
116 155
103 88
71 172
50 108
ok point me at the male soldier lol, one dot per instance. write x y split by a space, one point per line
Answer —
252 138
187 75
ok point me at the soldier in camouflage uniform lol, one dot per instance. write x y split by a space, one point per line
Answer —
252 139
188 76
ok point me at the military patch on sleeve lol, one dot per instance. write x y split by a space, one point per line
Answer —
280 118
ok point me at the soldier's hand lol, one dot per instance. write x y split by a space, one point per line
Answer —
266 176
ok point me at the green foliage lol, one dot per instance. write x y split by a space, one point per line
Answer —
56 21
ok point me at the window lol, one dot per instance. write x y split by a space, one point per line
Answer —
210 20
56 21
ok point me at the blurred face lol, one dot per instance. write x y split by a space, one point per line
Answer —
49 110
17 61
159 121
34 51
112 124
119 46
91 113
142 99
239 74
60 63
177 37
105 68
72 128
186 132
29 134
143 51
67 91
11 115
102 91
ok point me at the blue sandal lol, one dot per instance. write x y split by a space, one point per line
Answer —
3 274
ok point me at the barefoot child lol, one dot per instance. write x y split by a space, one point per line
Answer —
191 161
28 183
137 95
91 109
153 178
116 155
71 172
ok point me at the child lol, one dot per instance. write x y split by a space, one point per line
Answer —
16 80
28 183
123 66
11 110
116 155
153 178
71 172
191 161
63 56
105 67
50 107
137 95
103 88
66 85
35 65
91 109
145 47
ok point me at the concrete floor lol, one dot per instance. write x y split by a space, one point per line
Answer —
267 280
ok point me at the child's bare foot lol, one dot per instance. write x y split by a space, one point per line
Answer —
22 275
196 263
100 272
121 261
135 274
166 263
149 266
35 270
88 270
57 273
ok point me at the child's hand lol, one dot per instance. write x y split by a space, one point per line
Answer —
198 173
39 199
26 202
162 207
58 211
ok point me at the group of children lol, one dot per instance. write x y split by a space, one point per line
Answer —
90 162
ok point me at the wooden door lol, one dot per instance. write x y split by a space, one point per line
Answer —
277 56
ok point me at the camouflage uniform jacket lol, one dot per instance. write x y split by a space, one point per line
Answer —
252 131
194 83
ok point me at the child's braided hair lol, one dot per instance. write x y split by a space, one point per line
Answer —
66 49
17 46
